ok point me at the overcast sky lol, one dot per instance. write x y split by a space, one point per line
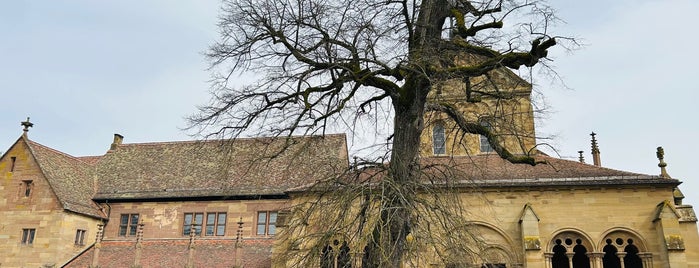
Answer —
84 70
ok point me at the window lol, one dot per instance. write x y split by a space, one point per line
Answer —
336 256
28 236
192 221
80 237
485 145
266 222
438 140
27 187
215 223
128 225
12 164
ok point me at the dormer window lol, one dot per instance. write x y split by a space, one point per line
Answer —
438 139
27 187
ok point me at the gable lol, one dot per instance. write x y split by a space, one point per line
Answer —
20 171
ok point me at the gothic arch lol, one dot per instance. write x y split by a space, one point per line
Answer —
623 233
499 247
573 234
570 247
624 241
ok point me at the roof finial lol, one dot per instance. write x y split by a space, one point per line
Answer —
581 158
661 156
26 125
595 151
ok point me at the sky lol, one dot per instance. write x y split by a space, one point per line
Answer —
84 70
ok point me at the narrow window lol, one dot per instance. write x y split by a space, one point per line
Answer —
438 139
80 237
128 224
215 224
485 145
192 221
12 164
266 222
28 236
27 185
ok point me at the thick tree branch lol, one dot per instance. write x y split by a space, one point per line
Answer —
475 128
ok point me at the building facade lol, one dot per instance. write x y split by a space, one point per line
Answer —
224 203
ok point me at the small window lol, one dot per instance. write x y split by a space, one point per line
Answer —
80 237
266 222
192 221
485 145
215 224
438 139
28 236
128 225
12 163
27 188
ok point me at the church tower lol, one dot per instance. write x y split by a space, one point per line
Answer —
499 101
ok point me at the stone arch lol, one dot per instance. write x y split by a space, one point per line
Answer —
623 233
499 247
336 252
573 234
570 247
624 245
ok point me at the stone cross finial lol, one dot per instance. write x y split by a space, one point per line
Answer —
26 125
660 153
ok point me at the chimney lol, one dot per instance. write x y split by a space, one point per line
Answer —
595 151
117 141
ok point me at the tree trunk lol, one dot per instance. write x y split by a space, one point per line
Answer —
388 246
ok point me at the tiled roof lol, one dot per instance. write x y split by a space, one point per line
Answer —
491 170
241 167
69 177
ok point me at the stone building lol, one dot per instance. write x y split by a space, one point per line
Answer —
216 203
170 204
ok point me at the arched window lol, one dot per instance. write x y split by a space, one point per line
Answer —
630 244
632 260
559 259
610 259
485 145
580 258
438 139
336 255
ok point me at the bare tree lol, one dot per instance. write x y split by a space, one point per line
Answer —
319 62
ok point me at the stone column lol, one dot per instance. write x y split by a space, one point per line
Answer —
595 259
570 259
647 259
621 256
547 259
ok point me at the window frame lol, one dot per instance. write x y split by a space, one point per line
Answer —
130 228
439 138
218 228
80 237
187 227
27 187
484 146
262 227
28 236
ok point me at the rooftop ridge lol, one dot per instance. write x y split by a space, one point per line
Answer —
155 143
